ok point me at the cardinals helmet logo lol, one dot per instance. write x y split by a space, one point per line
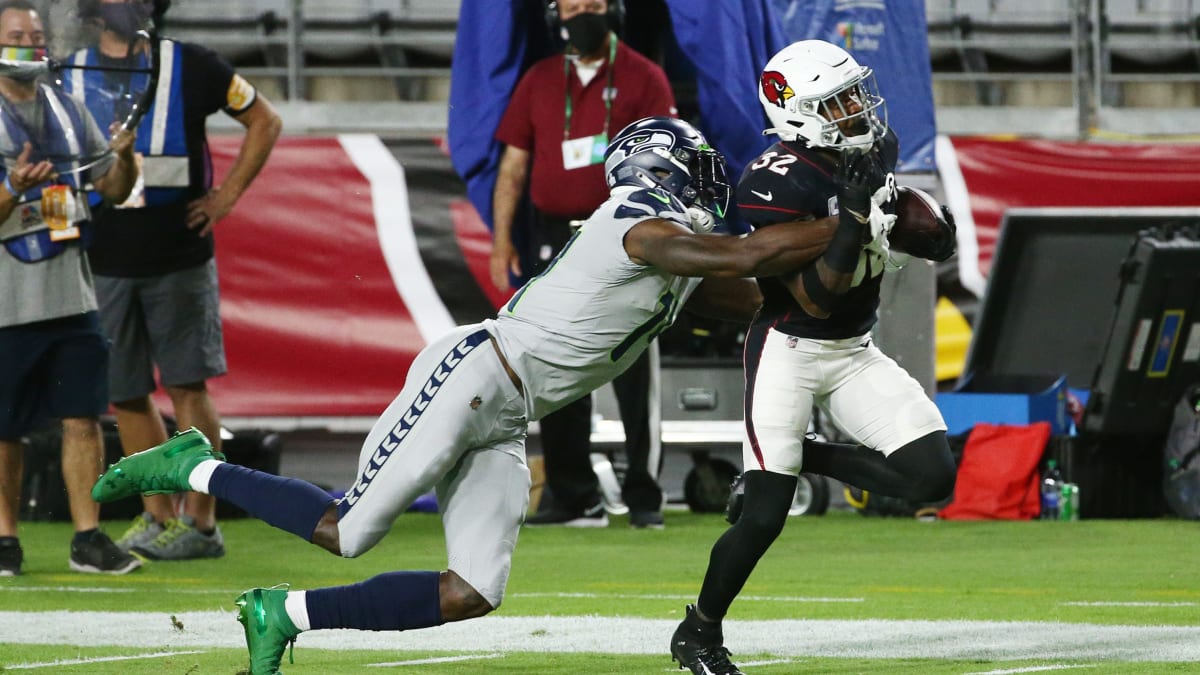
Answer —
775 88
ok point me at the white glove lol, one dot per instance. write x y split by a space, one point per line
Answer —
887 192
881 224
702 220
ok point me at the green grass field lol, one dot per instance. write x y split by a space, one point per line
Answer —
836 594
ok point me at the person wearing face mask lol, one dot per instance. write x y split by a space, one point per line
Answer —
53 357
555 130
156 278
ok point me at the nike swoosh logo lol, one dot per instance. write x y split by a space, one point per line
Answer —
661 198
765 197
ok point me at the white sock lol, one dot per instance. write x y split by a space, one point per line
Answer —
203 472
297 609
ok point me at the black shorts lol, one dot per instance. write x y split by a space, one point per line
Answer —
50 370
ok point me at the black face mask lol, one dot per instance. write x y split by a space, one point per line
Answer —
586 32
125 19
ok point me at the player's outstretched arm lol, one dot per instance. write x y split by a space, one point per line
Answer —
768 252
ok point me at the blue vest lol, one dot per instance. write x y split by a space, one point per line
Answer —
161 137
65 136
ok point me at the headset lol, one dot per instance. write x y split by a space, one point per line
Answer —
615 14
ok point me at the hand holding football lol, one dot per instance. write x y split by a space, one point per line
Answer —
923 227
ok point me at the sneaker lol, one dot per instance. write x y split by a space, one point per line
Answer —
180 540
11 558
142 531
702 654
99 555
592 516
163 469
269 629
646 520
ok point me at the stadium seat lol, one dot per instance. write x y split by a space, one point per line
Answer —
236 29
339 28
1150 54
1152 32
1011 52
1031 31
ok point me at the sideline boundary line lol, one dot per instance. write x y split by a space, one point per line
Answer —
873 638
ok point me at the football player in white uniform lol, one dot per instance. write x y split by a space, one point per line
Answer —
459 423
810 344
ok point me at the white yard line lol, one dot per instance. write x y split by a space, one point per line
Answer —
769 662
661 596
99 659
81 589
1131 604
1030 669
442 659
993 640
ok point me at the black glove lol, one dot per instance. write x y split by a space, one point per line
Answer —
949 218
948 242
857 177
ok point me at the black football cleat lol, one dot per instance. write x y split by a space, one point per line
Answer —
699 650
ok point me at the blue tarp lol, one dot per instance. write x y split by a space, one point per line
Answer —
893 41
726 44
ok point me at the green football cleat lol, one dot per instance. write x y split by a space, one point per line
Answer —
269 630
163 469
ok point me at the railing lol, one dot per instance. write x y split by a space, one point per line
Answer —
1065 68
1100 63
408 41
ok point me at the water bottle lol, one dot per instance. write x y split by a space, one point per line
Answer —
1052 483
1068 502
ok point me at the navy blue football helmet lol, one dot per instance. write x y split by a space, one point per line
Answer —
671 154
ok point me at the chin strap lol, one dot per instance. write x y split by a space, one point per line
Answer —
784 133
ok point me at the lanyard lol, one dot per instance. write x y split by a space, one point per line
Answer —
612 55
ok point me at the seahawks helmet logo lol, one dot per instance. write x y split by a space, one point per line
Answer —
775 87
648 140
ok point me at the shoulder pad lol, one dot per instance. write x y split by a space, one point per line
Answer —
781 185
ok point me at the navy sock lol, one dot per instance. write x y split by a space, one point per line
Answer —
9 541
83 537
389 601
290 504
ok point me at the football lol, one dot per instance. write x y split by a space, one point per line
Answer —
921 228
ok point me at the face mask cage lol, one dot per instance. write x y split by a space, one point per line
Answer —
707 168
855 115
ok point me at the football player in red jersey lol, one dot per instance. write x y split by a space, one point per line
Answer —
810 343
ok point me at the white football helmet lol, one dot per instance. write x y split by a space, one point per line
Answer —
816 91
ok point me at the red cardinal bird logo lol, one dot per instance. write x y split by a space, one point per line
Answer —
775 87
